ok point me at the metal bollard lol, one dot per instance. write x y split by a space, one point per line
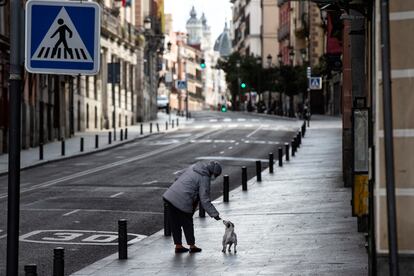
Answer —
166 125
82 142
300 138
121 136
201 211
126 133
63 147
97 141
259 170
109 137
58 261
244 178
293 146
41 151
177 122
172 124
114 134
167 225
287 151
142 129
122 239
271 162
150 127
280 153
226 188
30 270
158 127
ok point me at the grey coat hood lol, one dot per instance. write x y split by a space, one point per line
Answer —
193 184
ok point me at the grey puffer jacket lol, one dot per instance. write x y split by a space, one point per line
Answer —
193 184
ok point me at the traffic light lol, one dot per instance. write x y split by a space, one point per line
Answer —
243 85
223 108
203 63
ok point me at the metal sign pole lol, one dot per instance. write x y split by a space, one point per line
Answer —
388 140
13 202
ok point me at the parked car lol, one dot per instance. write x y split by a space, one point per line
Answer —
162 102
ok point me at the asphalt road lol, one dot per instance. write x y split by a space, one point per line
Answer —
76 203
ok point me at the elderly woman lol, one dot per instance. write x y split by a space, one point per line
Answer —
191 186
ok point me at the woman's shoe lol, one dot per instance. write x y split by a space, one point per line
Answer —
181 250
195 250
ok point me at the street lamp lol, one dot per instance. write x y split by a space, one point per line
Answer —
147 23
280 58
269 60
238 84
303 54
269 65
259 65
291 55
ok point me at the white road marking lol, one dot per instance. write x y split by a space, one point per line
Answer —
116 195
107 166
213 120
202 141
230 148
241 120
237 143
79 237
228 158
198 127
248 125
227 120
94 210
255 120
234 125
224 141
221 152
3 236
253 132
70 213
154 181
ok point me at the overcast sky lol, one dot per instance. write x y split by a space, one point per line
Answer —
216 12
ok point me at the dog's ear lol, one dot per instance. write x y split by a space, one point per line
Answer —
232 224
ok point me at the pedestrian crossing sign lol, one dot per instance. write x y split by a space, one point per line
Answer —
315 83
62 37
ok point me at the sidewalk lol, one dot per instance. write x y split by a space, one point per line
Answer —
52 151
295 222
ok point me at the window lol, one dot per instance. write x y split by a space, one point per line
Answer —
95 87
87 86
87 115
96 117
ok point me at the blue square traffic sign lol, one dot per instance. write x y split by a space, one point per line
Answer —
62 37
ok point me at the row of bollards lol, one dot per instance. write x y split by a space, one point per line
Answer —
123 136
59 253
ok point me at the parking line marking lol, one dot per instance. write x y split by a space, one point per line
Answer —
3 236
252 133
70 213
116 195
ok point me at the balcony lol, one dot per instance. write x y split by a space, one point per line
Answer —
112 28
281 2
283 32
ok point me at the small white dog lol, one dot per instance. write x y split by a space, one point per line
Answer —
229 237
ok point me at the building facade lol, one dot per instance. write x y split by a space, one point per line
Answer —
56 106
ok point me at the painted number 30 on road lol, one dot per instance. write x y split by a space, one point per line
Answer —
80 237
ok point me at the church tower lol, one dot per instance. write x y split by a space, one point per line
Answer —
194 28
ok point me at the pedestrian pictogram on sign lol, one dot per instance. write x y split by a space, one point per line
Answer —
181 84
315 83
62 37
